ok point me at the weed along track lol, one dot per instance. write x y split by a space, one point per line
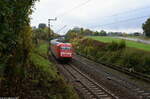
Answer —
89 87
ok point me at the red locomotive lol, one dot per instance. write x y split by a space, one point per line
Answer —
62 51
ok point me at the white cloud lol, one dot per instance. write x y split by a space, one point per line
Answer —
91 14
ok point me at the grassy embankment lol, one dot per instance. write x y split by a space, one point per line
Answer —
133 44
40 80
113 53
58 89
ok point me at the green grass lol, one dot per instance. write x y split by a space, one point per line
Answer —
42 49
38 78
40 59
43 65
114 53
133 44
47 72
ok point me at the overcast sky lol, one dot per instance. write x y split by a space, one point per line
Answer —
110 15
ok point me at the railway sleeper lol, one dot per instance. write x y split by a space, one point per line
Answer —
100 93
146 94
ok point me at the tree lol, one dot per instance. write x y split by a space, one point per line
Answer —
103 33
88 32
146 28
15 36
41 34
42 25
96 33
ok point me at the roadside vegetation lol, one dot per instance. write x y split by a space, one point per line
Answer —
116 53
25 71
52 85
132 44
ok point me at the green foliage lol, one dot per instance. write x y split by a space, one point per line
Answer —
24 72
132 44
42 49
114 46
113 53
15 32
40 81
42 25
102 33
146 28
71 35
87 32
44 65
47 76
42 34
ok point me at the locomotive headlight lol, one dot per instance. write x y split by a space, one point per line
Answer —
66 53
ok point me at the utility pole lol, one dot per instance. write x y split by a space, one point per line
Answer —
49 25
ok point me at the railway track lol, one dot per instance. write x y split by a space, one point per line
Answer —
89 87
144 94
124 70
84 84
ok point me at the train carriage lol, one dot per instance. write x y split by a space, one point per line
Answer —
62 51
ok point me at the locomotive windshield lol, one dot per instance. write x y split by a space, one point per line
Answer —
66 48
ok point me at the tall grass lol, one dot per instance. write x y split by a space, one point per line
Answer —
40 81
132 44
114 53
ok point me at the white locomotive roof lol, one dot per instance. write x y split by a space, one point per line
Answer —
55 41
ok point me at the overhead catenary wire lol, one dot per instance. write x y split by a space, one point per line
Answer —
61 29
74 8
129 11
126 20
116 14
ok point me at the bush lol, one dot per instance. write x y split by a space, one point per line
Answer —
114 46
114 53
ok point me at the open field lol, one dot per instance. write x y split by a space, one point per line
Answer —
133 44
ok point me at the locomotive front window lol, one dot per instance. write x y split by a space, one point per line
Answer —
66 48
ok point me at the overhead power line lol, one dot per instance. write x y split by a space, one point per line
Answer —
126 20
61 29
74 8
129 11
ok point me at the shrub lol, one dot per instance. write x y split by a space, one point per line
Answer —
114 46
114 53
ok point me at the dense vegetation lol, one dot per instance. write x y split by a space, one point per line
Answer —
146 28
51 84
15 44
111 53
44 33
87 32
41 80
132 44
25 71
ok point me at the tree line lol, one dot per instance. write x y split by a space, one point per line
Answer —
88 32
